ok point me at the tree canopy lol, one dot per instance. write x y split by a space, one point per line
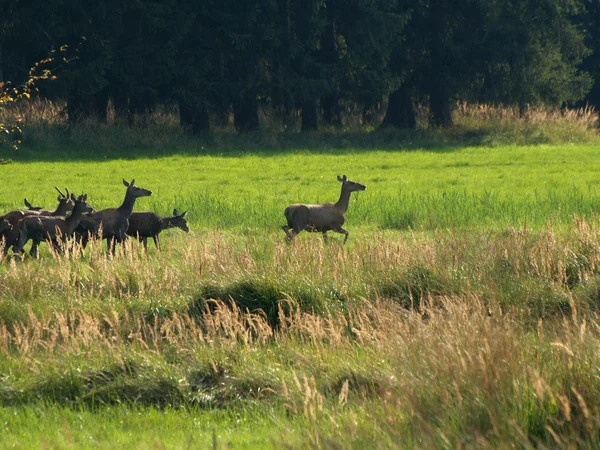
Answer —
311 58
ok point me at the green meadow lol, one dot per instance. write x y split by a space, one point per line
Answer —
454 187
461 313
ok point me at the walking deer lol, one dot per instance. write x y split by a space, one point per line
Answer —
113 221
53 229
11 236
321 218
143 225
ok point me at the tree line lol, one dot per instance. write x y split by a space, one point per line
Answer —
305 58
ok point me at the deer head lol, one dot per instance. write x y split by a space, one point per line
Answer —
65 201
136 191
178 220
351 186
80 204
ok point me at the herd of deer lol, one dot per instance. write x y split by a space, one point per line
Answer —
115 224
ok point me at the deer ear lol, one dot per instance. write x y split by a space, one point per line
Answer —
132 182
125 182
340 179
73 197
183 214
175 212
345 178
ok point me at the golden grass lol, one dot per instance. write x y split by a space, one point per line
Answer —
474 123
428 340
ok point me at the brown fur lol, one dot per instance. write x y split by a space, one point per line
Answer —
321 218
113 221
143 225
54 229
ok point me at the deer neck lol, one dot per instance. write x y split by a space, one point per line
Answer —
165 223
73 220
61 210
342 203
127 207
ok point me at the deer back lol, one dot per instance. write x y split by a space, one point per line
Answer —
145 224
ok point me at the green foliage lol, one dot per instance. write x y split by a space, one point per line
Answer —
502 351
218 59
11 133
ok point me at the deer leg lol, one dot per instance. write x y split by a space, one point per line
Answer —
33 252
6 246
12 239
289 235
325 237
17 243
110 244
341 230
156 242
292 234
144 243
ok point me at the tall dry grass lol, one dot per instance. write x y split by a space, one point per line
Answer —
461 374
533 125
46 125
438 340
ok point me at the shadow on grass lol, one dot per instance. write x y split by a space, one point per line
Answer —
136 383
266 296
101 143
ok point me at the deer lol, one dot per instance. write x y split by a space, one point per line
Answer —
61 196
321 218
113 221
30 207
4 225
11 236
143 225
53 229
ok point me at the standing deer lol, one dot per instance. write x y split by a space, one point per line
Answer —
143 225
321 218
53 229
113 221
11 236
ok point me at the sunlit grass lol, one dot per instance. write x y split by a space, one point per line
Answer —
461 313
457 188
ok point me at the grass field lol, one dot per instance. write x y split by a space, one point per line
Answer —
461 313
471 187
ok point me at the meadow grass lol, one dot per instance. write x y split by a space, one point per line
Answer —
461 313
470 187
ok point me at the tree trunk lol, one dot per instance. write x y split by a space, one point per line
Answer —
330 102
310 120
121 107
332 111
1 71
440 110
194 117
245 115
401 111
